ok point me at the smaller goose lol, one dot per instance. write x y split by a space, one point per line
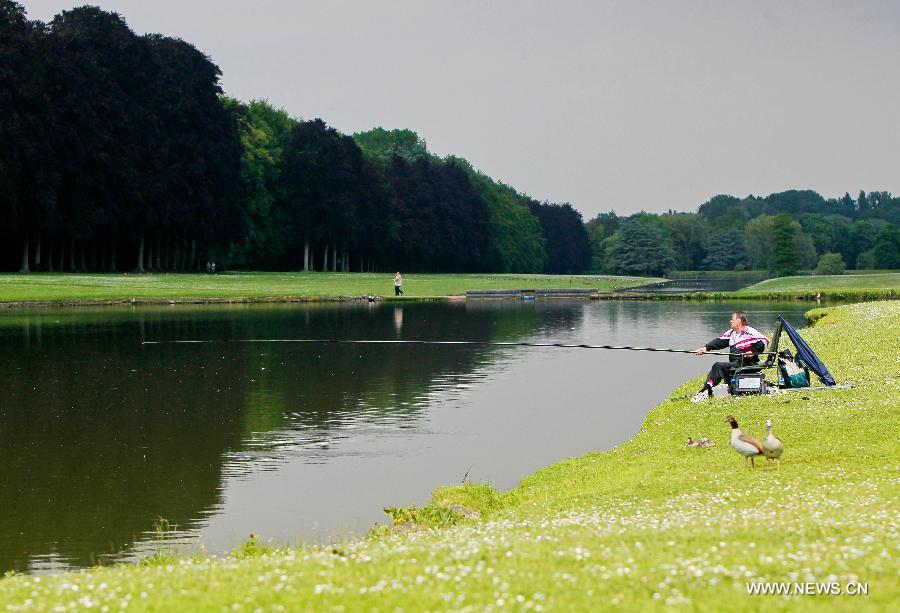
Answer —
702 442
772 445
744 444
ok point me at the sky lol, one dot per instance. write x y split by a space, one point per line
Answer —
608 105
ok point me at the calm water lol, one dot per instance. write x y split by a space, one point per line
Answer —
698 284
100 436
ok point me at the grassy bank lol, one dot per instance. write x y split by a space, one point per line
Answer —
812 283
879 286
70 288
646 524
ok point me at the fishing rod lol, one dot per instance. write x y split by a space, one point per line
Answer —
416 342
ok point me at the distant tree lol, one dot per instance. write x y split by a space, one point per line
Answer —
831 264
758 238
847 203
861 237
599 230
603 259
862 204
726 251
642 249
717 207
264 131
807 256
887 248
568 245
783 262
689 235
603 225
794 202
381 145
27 173
829 233
866 260
518 244
332 199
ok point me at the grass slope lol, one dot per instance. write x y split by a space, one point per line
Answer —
647 524
828 283
263 285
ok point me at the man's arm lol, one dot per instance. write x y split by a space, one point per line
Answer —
716 343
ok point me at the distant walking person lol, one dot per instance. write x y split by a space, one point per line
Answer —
398 281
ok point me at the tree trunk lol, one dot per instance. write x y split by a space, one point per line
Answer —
93 260
50 257
306 256
25 250
157 261
334 264
112 255
140 256
325 261
103 257
192 260
71 255
37 254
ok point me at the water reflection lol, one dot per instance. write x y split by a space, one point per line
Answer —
100 436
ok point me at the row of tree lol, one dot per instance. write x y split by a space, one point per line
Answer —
780 233
119 152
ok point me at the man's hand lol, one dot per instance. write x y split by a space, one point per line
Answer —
700 351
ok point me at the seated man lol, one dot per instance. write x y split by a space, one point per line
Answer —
742 340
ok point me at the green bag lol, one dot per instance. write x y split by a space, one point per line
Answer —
792 373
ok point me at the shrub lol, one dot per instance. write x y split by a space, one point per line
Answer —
831 264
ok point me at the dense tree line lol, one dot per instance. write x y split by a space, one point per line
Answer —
118 152
780 233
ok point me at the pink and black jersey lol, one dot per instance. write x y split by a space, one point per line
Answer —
747 339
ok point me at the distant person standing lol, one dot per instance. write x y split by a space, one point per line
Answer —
398 281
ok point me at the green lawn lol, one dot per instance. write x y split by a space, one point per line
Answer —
647 524
889 280
262 285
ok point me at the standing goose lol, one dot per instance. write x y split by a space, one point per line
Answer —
744 444
772 445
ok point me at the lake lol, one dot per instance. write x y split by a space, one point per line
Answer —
102 438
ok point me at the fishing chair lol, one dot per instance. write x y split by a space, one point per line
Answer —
751 379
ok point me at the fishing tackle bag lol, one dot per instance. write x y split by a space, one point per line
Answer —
793 372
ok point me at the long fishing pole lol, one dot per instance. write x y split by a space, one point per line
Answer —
415 342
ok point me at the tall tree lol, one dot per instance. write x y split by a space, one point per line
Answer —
726 251
887 248
264 132
783 262
642 249
689 235
568 246
27 177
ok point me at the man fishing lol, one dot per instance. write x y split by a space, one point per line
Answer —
744 344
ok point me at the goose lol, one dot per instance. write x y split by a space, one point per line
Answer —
772 445
744 444
702 442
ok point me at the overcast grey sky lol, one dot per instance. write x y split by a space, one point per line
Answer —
607 105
